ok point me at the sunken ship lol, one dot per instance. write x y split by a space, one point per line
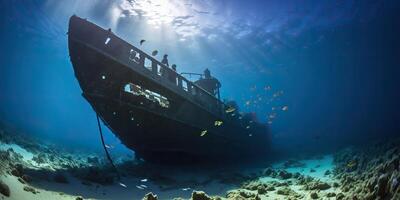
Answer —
153 110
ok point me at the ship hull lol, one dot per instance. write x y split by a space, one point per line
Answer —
183 131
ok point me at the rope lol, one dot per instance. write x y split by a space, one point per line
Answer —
105 149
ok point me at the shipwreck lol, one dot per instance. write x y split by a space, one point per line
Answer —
155 111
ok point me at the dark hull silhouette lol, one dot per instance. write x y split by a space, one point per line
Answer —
182 129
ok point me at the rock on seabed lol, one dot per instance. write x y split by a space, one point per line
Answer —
4 189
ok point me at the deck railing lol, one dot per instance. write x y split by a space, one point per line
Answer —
135 58
140 59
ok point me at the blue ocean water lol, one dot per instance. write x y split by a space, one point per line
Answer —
335 62
323 75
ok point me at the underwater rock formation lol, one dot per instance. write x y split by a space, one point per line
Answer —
370 173
4 189
242 194
317 185
200 195
363 174
314 195
150 196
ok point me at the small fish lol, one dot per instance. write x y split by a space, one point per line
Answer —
247 127
185 189
230 109
203 133
143 186
267 87
233 114
139 187
142 41
122 185
154 53
272 116
248 103
109 146
250 135
273 108
144 180
218 123
285 108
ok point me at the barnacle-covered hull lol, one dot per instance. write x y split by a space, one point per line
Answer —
160 120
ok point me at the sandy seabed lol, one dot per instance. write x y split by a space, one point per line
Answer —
30 170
